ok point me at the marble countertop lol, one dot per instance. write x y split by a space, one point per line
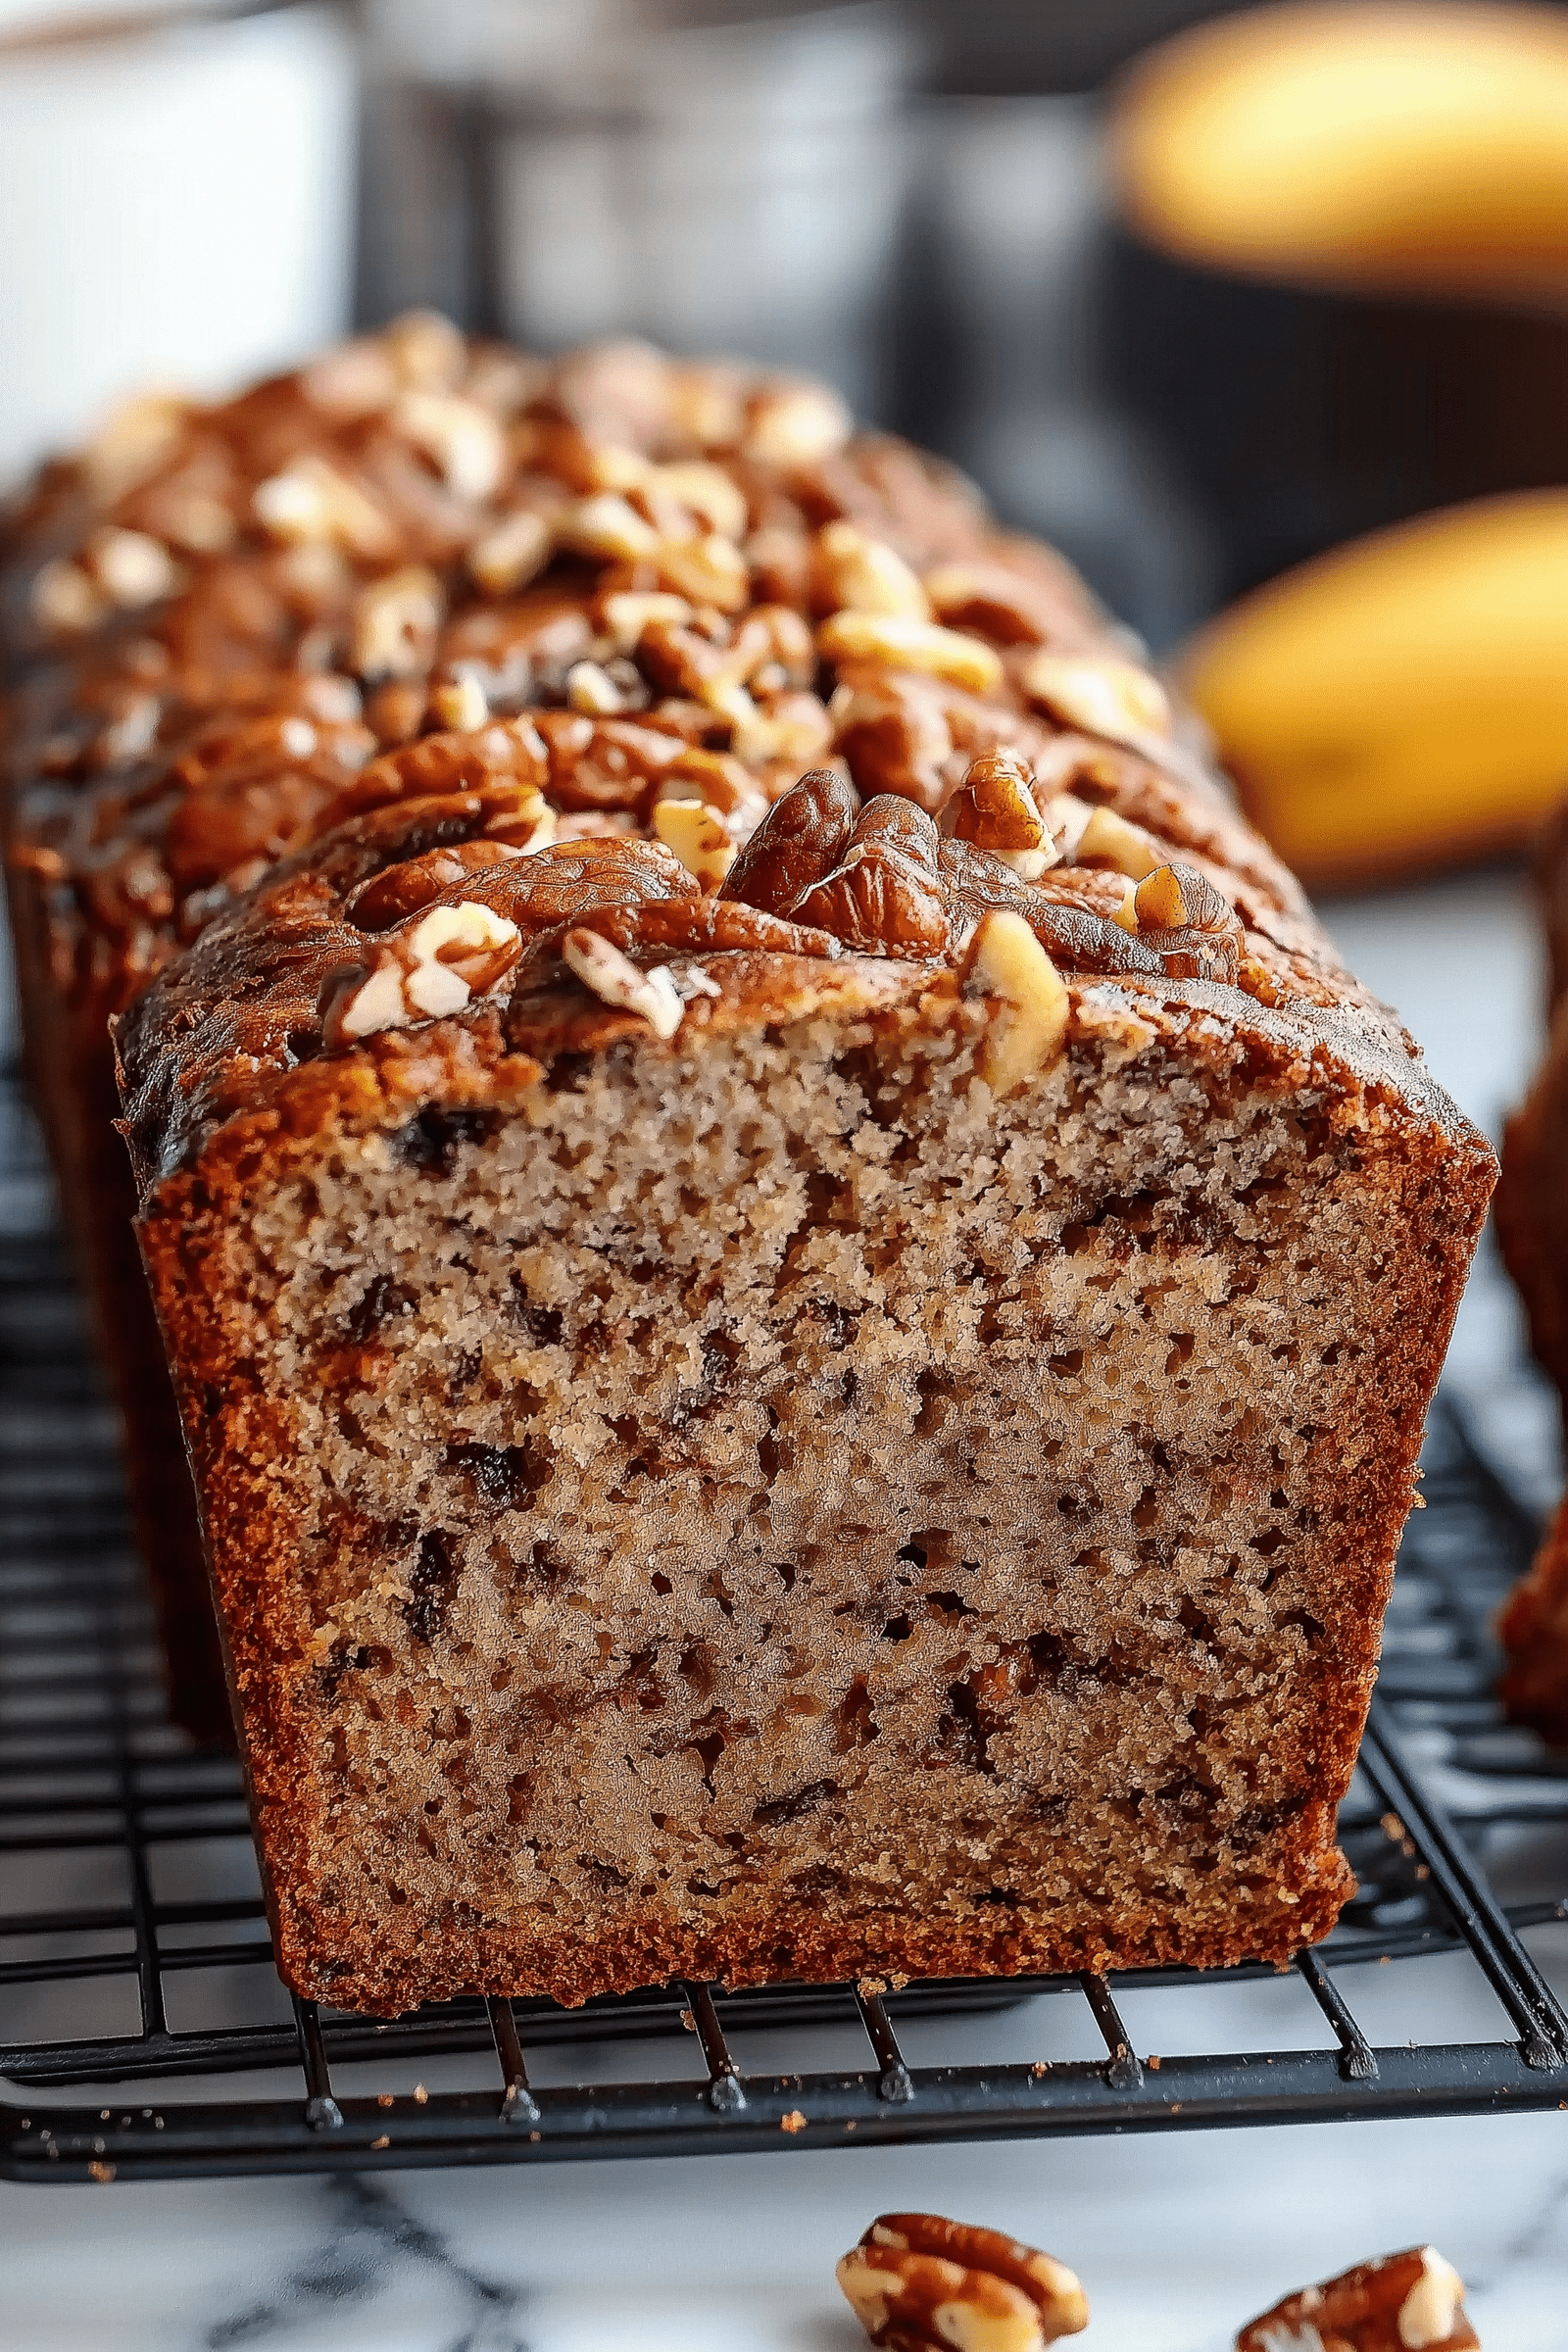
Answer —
1178 2239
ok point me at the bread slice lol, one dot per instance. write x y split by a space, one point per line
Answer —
859 1424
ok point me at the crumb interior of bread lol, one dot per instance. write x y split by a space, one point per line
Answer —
778 1482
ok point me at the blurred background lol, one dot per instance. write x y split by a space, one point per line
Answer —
1200 293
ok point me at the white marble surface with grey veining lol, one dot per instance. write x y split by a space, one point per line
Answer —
1178 2239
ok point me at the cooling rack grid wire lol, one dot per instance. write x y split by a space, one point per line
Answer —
143 2032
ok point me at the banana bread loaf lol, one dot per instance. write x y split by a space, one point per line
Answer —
857 1421
213 616
784 1377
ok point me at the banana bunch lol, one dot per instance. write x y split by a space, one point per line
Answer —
1403 702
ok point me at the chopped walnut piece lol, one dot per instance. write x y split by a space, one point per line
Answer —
891 641
592 690
792 727
915 2280
711 571
459 705
427 351
709 491
1006 961
64 598
794 425
852 572
995 809
885 896
1113 699
513 554
618 981
1109 840
1409 2302
798 842
311 501
1158 900
463 440
353 379
1195 931
894 732
131 568
698 838
991 601
607 526
452 954
629 613
396 622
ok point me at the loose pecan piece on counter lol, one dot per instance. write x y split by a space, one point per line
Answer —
917 2281
1409 2302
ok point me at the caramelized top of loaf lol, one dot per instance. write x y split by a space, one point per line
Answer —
443 627
698 580
431 949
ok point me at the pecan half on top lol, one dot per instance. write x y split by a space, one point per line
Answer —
1409 2302
917 2281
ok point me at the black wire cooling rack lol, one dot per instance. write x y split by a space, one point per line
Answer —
143 2032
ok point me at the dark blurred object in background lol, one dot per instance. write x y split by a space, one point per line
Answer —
711 177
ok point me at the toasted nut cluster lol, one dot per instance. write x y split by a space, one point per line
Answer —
895 641
1409 2302
916 2279
450 956
670 599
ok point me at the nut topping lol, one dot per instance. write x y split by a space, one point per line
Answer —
63 598
1007 961
132 569
310 502
1109 840
915 2280
453 954
628 614
463 440
513 554
886 897
797 844
1197 932
794 425
396 624
459 705
616 979
995 809
698 838
1409 2302
1113 699
856 575
891 641
709 491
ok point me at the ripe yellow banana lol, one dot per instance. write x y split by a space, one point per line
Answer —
1403 702
1403 144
